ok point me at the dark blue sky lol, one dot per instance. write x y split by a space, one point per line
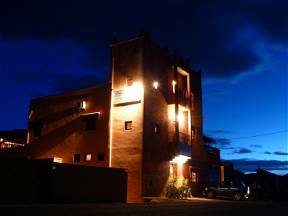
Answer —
241 46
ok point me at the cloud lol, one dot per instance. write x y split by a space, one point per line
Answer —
219 131
208 140
280 153
221 143
256 146
58 82
242 151
217 36
65 82
247 165
46 67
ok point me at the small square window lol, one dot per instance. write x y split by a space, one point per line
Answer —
100 156
88 157
128 125
76 158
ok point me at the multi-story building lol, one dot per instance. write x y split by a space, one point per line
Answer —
148 120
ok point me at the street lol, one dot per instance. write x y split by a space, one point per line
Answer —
193 207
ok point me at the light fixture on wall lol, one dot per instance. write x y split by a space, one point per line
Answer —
133 92
174 86
180 159
155 85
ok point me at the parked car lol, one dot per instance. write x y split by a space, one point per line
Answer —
228 190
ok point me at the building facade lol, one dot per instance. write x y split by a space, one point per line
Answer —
148 120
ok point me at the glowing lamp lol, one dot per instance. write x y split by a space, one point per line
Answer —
133 92
155 84
173 85
180 159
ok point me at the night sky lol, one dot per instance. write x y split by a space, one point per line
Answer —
47 47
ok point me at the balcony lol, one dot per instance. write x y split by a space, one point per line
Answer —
183 145
183 97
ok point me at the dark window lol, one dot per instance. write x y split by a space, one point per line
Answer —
156 128
100 156
36 127
76 158
128 125
90 121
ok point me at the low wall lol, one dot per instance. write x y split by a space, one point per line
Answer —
43 181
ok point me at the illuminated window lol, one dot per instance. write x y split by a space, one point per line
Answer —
76 158
88 157
128 125
194 177
129 82
156 129
57 159
100 156
82 105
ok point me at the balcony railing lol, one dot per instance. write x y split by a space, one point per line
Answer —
184 146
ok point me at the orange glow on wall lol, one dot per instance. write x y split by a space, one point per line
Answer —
181 118
132 93
179 160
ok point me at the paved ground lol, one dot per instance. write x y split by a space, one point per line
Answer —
195 207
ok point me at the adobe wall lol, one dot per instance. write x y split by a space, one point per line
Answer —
127 145
63 133
155 141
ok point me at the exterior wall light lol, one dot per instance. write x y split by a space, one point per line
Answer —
173 86
180 159
133 92
155 85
